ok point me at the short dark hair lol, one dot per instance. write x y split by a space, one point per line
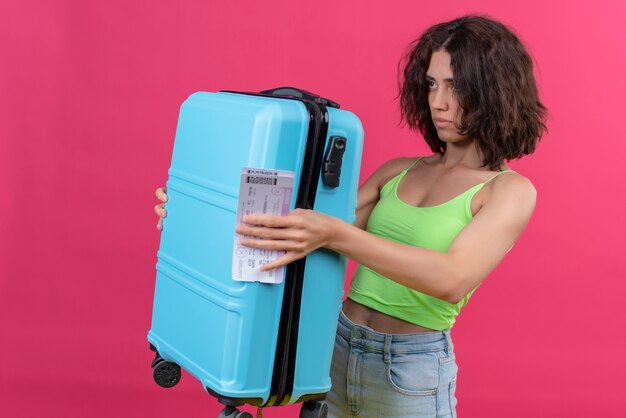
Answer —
494 83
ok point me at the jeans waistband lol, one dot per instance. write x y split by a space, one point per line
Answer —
393 343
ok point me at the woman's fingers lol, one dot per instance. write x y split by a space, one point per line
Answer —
280 262
161 194
274 244
161 213
270 233
273 221
160 210
270 227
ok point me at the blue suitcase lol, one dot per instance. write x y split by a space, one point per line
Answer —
249 342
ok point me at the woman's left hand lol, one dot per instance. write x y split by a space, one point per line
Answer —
298 234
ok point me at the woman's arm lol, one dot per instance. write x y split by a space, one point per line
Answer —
474 253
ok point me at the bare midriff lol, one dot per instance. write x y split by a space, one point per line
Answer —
378 321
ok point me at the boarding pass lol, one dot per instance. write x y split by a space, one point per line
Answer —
261 191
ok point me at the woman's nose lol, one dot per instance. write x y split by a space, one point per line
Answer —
439 99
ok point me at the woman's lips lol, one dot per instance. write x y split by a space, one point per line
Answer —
441 123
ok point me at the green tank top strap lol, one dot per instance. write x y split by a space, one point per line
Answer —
392 184
501 172
414 163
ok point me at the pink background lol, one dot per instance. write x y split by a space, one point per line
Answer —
89 99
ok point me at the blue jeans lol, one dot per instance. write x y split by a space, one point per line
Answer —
377 375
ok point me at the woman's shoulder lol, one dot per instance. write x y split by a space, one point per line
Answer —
512 185
509 178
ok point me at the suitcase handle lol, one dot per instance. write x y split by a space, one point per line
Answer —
302 94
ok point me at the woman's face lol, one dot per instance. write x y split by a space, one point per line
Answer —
444 107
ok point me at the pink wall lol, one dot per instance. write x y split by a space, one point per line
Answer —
89 95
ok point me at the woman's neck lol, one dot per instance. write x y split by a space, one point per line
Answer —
464 153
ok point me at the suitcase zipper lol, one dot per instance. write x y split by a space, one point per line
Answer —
286 347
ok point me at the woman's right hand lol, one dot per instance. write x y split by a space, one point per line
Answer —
161 194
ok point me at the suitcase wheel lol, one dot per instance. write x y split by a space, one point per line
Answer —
313 409
232 412
166 374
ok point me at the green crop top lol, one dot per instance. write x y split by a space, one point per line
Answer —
433 227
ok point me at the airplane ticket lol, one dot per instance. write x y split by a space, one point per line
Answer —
261 191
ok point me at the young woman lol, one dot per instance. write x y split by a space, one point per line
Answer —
428 230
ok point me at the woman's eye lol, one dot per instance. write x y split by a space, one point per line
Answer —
431 84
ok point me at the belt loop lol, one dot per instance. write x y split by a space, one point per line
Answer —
355 334
387 349
449 346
